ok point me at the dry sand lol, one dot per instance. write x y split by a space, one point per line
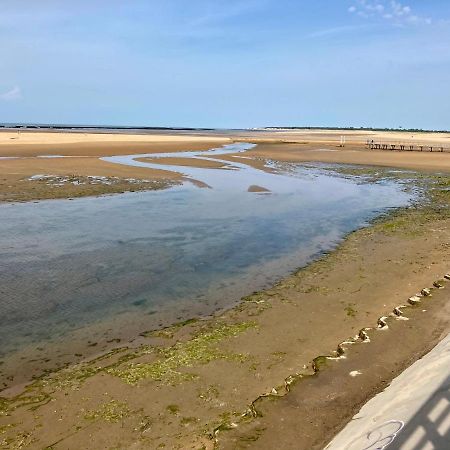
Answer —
24 141
358 137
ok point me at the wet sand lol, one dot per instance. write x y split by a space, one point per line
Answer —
15 174
187 162
29 156
85 149
317 405
354 154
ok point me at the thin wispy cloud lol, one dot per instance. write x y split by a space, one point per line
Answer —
13 94
392 11
337 30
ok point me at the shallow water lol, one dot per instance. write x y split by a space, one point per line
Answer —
132 262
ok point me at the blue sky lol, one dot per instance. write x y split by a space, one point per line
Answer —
229 63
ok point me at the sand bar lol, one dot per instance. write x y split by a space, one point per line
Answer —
25 154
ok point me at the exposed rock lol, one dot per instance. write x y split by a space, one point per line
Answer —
414 300
426 292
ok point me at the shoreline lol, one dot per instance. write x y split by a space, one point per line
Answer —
166 319
181 344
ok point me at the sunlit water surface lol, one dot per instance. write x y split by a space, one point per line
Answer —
127 263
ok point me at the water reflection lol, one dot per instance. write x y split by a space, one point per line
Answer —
144 258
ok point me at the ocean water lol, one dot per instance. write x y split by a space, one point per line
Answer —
141 260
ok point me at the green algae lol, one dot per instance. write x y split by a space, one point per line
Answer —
112 412
39 392
145 424
173 409
432 203
350 310
5 428
4 406
255 297
186 421
211 393
169 332
258 431
201 349
17 442
320 362
158 371
315 289
70 378
33 401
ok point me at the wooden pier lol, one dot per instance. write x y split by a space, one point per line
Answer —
406 147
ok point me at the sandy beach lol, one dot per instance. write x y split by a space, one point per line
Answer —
201 383
24 154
